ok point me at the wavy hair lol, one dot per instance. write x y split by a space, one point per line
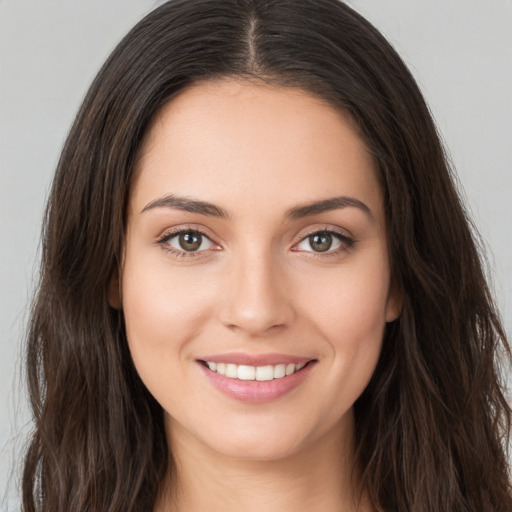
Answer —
432 427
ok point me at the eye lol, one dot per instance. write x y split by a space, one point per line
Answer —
324 242
187 241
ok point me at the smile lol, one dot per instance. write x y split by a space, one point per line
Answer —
259 373
256 379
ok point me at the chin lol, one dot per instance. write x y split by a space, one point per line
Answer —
258 448
265 437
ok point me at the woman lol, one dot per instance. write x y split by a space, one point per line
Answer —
259 287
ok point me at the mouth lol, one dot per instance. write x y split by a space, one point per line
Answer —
256 383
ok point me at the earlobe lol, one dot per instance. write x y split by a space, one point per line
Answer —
114 291
395 303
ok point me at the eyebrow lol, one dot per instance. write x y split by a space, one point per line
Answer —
188 205
334 203
298 212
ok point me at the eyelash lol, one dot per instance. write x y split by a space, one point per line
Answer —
347 242
164 239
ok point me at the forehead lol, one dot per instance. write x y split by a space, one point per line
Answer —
226 139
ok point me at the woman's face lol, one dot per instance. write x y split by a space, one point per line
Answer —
256 247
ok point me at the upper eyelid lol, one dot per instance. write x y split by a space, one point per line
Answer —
326 229
171 232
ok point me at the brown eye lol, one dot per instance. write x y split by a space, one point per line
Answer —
324 241
190 241
320 242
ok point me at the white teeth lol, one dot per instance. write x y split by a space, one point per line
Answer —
259 373
264 372
232 371
279 371
246 372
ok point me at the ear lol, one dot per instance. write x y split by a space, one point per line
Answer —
114 291
395 302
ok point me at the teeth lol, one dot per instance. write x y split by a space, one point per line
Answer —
259 373
246 372
232 371
279 371
264 372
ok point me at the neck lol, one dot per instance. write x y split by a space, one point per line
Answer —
320 477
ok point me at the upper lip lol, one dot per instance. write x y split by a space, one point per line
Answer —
255 359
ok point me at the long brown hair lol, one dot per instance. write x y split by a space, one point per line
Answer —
433 424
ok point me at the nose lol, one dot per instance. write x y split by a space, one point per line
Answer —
256 299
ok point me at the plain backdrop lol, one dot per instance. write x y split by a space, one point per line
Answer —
460 52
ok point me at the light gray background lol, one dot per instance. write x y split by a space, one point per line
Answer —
459 50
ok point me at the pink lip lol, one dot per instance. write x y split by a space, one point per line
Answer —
252 391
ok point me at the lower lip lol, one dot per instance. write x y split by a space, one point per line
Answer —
253 391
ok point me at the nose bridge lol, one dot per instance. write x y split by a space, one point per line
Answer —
256 298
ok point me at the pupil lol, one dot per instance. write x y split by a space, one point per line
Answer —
190 241
320 242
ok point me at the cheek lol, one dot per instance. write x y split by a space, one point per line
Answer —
349 315
349 304
163 310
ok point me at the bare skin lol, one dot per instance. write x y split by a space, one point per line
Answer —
288 259
210 482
